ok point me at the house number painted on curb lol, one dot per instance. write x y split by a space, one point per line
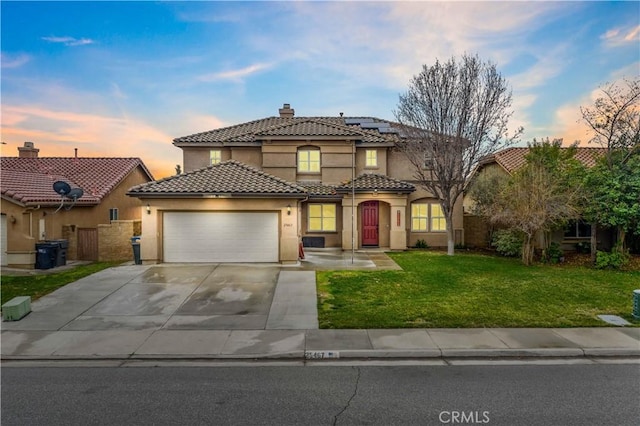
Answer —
321 355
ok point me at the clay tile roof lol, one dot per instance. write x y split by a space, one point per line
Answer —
512 159
30 180
229 177
370 182
253 132
319 190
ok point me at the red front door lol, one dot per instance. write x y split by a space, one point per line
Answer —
370 223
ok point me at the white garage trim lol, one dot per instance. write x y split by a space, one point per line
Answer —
220 237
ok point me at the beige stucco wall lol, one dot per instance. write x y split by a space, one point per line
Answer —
24 232
151 238
279 158
194 158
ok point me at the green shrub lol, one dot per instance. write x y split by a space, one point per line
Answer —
422 244
553 254
614 260
507 242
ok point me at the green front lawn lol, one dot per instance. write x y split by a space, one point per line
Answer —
472 290
37 286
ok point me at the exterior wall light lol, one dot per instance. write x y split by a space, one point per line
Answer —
289 210
148 209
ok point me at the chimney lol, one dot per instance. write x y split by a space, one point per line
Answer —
286 111
28 151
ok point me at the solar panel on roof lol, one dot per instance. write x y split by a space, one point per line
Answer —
389 130
374 125
358 120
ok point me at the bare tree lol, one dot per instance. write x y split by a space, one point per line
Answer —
615 119
453 115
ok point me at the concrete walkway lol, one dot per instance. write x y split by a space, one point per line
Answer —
254 311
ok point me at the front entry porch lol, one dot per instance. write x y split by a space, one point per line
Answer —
374 220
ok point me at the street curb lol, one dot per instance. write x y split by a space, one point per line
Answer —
430 354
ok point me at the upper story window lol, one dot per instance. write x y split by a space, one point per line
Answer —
371 158
309 160
215 155
427 217
428 160
113 214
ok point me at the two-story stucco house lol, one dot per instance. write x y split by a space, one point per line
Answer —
252 192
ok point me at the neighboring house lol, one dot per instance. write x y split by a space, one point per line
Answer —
254 191
507 161
30 206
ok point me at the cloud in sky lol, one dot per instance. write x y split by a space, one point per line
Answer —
236 75
13 61
69 41
94 135
620 36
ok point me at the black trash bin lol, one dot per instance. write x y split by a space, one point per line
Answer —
46 255
62 247
135 244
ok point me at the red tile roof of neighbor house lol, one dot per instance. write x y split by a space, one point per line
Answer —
29 181
230 177
513 158
333 127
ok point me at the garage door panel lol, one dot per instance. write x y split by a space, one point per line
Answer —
220 237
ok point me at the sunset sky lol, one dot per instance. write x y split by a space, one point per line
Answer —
126 78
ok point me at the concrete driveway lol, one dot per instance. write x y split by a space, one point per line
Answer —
178 296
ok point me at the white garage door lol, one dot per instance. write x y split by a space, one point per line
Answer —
220 237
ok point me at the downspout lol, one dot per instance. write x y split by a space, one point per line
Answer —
299 214
353 199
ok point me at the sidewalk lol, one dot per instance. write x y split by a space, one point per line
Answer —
320 344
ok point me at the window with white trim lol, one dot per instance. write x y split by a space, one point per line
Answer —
427 217
438 221
309 160
113 214
215 156
419 216
371 158
322 218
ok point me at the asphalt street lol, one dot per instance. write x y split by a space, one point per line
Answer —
325 394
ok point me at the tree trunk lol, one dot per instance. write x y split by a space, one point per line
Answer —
620 246
450 233
594 242
527 250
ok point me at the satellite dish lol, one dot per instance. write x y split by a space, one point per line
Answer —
61 187
65 190
75 193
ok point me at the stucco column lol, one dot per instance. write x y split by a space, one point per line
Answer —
150 239
346 224
289 234
398 233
